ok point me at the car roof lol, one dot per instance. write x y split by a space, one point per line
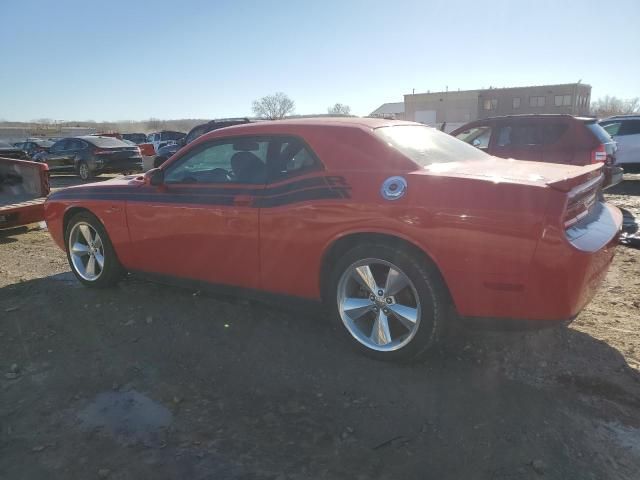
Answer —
537 115
313 123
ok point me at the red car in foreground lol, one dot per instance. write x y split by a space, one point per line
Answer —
388 222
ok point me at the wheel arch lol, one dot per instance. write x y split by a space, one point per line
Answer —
340 245
70 213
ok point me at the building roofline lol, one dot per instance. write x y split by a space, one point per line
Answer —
499 88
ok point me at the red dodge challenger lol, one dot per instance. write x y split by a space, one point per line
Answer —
388 222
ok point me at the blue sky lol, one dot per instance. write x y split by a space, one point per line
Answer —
114 60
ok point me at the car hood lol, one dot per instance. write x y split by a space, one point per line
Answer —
500 170
112 185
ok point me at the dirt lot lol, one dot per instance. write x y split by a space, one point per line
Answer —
149 381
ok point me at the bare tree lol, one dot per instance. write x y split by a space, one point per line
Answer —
339 109
154 124
608 106
273 107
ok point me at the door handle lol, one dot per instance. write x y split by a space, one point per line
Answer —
242 201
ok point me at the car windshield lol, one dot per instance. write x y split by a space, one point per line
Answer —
136 137
426 145
172 135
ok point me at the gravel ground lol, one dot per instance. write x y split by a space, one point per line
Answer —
151 381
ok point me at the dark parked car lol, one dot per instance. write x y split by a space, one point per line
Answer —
34 146
545 138
164 153
10 151
92 155
136 138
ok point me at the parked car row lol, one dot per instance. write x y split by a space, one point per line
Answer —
91 155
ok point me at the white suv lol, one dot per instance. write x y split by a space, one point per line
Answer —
625 130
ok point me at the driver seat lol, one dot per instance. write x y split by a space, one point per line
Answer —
247 168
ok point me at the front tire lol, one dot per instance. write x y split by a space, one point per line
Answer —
391 303
90 253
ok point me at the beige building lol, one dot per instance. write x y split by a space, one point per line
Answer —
456 108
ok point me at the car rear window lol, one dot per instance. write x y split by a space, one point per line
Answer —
426 145
600 133
106 142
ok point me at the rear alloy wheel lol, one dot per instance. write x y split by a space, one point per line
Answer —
90 253
83 171
391 304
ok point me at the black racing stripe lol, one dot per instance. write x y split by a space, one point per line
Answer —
158 198
310 182
314 188
302 196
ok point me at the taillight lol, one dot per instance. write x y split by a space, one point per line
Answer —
599 154
102 151
581 201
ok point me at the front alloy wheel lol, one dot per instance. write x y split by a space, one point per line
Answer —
90 252
86 251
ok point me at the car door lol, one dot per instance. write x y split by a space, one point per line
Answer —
57 155
288 215
518 139
201 222
628 140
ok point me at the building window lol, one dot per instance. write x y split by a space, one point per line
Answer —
563 100
536 101
516 102
490 104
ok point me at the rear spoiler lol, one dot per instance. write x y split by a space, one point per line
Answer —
590 173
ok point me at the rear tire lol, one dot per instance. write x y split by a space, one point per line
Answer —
90 253
84 172
391 303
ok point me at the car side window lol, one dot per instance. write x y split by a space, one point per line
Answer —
478 136
60 146
290 157
236 160
629 127
518 136
612 128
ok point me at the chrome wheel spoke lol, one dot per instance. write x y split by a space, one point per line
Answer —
97 242
365 278
86 233
80 249
355 308
100 259
380 333
91 266
396 281
408 316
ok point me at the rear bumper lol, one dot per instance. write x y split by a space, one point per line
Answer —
118 166
613 175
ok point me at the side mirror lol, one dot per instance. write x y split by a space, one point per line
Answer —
154 177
